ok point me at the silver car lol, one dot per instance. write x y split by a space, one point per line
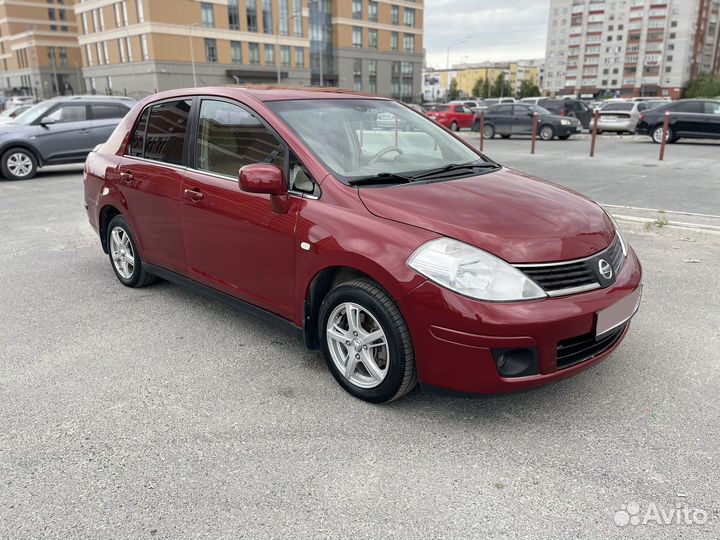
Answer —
620 116
57 131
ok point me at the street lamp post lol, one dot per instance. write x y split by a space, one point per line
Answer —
192 53
447 62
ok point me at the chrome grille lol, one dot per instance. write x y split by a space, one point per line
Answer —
559 279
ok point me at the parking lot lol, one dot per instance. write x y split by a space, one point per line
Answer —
158 413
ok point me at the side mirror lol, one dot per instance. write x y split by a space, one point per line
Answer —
267 179
47 121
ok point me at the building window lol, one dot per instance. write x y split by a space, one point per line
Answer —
357 75
51 56
254 53
267 19
284 20
210 50
372 11
121 48
357 9
144 47
84 22
129 49
62 51
269 55
125 12
409 43
299 57
297 18
236 52
252 16
285 56
410 17
233 15
100 58
394 39
140 10
208 15
373 38
394 15
118 16
357 36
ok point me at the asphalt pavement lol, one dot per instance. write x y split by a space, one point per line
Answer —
156 413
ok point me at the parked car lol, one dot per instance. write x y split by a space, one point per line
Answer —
452 115
508 120
573 108
9 114
56 131
404 259
532 100
620 116
689 118
417 108
489 102
14 101
470 104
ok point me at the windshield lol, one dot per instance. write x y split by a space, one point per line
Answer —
360 138
438 108
33 113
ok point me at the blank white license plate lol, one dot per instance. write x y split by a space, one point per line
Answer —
611 118
611 317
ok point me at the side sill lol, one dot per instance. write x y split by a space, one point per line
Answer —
231 301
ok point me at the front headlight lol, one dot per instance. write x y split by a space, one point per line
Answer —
565 122
619 234
472 272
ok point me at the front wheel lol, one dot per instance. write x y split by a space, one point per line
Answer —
366 342
489 131
125 256
454 126
18 164
547 133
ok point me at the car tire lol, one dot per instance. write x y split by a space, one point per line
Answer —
125 256
547 132
454 126
18 164
505 136
489 132
658 132
383 368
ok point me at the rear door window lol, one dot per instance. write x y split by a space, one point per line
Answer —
504 109
230 137
712 108
165 135
137 143
687 107
105 112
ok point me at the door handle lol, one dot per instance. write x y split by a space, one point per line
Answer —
126 177
84 131
194 194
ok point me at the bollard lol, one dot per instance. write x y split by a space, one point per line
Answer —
666 126
534 132
482 130
596 116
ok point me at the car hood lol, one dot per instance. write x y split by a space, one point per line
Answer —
512 215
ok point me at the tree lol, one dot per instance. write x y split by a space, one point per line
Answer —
528 89
501 88
703 86
453 92
478 88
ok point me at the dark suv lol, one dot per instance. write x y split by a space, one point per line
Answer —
573 108
58 131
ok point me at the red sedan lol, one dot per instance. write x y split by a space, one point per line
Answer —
455 116
404 254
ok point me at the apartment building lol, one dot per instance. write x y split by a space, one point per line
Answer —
437 81
137 47
630 47
38 48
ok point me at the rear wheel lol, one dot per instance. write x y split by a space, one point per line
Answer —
547 132
125 256
489 131
454 126
366 343
18 164
658 135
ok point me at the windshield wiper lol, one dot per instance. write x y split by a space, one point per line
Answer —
456 167
381 178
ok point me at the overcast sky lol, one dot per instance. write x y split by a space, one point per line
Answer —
498 30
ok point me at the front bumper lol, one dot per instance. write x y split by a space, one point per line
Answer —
564 131
455 337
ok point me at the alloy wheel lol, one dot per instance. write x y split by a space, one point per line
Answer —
121 250
19 164
358 345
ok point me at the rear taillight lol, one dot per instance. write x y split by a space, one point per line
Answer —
642 117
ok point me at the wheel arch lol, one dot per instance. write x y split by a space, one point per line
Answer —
25 146
107 213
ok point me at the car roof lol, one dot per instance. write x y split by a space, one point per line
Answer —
265 93
99 99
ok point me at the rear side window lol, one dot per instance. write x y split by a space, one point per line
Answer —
620 107
104 112
712 108
230 137
504 109
137 143
687 107
165 135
